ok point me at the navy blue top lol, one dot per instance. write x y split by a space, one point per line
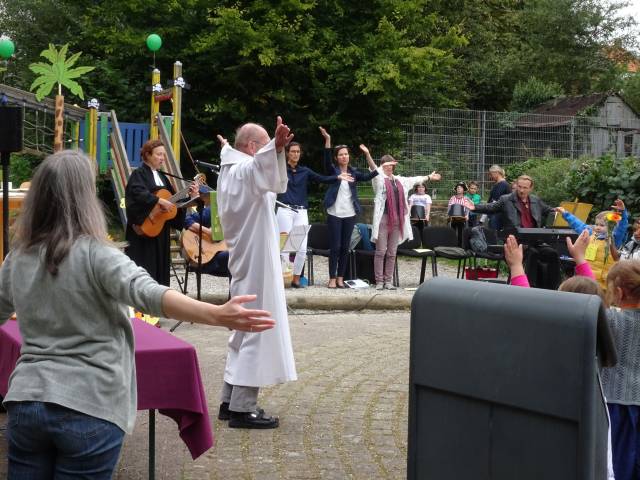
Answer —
332 192
501 188
195 218
299 179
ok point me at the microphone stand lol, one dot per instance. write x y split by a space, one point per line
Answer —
200 210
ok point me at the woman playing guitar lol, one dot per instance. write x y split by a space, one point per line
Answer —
150 252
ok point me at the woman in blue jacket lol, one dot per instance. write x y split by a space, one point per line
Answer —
342 205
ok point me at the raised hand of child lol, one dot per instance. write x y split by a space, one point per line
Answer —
513 255
618 205
577 250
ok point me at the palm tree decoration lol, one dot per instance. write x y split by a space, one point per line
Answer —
59 72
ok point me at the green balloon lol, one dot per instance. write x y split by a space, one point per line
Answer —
6 48
154 42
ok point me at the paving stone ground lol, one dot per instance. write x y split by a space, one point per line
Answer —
344 418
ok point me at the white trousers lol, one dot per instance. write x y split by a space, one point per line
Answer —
287 219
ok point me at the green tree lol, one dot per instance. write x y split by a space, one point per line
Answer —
631 90
533 92
315 62
561 41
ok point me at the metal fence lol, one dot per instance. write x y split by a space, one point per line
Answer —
463 144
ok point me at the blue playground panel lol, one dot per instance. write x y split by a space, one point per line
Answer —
133 135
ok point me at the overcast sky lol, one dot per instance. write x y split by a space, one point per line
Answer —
633 9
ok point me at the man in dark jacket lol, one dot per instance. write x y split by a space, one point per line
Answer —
518 209
521 209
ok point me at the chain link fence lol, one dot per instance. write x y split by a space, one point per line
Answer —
463 144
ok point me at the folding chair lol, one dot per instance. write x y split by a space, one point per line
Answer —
413 248
317 244
444 242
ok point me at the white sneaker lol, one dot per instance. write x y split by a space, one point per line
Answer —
389 286
379 286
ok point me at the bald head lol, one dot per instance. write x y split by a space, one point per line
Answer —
250 138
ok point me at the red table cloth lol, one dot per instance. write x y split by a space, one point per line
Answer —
167 374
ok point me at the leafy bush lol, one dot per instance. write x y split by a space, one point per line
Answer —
548 174
600 181
21 167
533 92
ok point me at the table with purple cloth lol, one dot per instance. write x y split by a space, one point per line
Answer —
168 378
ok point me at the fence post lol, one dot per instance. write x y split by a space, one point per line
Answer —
571 137
483 131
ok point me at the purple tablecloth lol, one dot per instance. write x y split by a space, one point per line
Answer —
168 379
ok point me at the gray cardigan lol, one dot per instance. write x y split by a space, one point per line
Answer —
78 345
621 384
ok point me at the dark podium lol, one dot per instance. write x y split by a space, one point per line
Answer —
504 384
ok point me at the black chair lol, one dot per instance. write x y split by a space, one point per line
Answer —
317 244
362 265
408 249
418 217
457 218
192 267
494 251
444 242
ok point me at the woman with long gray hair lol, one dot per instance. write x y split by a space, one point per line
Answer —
72 394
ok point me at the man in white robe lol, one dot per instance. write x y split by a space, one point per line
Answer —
251 174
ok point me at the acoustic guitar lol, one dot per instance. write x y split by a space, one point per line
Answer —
154 223
190 242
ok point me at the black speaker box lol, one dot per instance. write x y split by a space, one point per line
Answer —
10 129
504 384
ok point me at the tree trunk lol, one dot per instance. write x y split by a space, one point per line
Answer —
58 138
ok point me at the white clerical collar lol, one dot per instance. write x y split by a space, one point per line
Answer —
156 177
230 156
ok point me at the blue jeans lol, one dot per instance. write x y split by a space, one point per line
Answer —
48 441
625 440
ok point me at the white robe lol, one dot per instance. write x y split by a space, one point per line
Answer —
380 199
246 206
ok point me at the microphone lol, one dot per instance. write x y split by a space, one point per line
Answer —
210 166
172 175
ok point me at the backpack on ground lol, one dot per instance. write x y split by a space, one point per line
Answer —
477 240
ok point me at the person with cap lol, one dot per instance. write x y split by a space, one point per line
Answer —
219 264
457 211
391 215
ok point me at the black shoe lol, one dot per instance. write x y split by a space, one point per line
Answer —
296 285
256 419
223 412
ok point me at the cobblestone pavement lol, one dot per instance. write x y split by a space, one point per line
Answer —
345 417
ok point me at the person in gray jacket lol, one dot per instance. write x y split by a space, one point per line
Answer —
518 209
72 394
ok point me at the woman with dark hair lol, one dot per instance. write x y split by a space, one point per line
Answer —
342 205
296 197
72 394
151 253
